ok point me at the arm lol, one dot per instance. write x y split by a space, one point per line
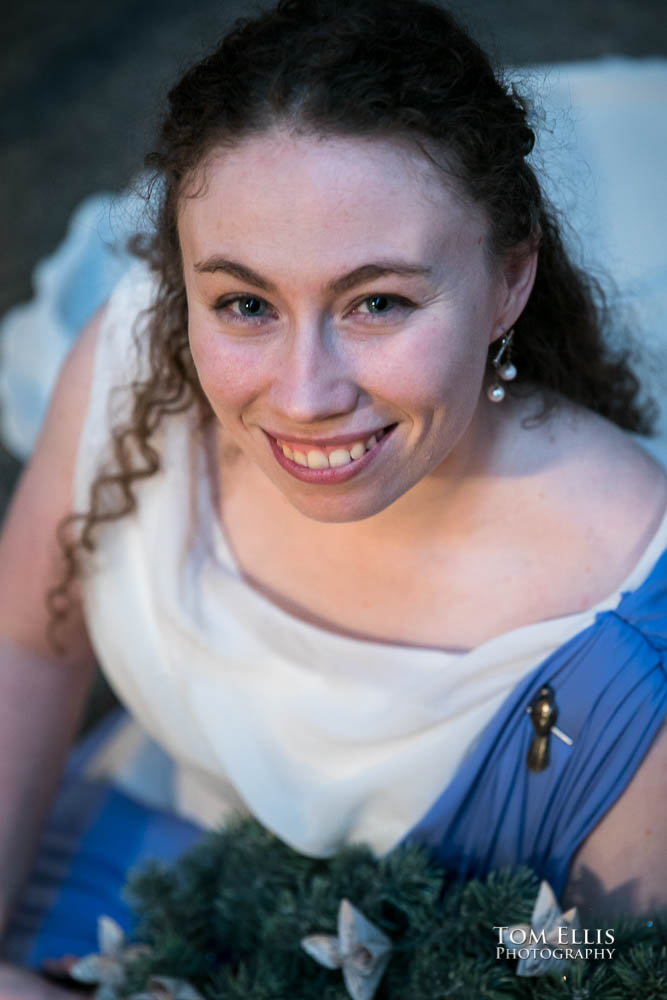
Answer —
20 984
42 694
622 864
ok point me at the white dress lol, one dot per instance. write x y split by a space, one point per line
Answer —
326 739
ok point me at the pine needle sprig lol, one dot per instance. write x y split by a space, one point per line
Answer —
229 917
642 970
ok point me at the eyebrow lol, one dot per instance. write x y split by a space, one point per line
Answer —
367 272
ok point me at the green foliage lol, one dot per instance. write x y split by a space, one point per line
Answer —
229 917
645 970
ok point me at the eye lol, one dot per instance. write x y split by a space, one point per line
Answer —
382 305
242 308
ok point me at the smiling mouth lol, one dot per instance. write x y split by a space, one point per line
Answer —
333 456
328 464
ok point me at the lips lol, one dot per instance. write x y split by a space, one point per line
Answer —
328 463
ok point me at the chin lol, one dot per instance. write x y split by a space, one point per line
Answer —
339 510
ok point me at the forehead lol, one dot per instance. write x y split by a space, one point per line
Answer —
279 193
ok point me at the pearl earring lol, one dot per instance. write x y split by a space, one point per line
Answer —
505 369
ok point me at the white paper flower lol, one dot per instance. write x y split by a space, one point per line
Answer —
361 950
551 929
166 988
107 968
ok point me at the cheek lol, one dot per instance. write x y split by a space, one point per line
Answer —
438 366
228 370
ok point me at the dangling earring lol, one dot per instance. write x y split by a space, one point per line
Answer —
505 369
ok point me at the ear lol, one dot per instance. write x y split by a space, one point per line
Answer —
516 275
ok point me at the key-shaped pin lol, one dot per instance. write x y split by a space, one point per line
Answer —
543 714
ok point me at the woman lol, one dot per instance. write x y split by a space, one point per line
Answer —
366 506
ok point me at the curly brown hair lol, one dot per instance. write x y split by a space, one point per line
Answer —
386 68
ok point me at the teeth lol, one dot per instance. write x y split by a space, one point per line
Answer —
316 459
339 457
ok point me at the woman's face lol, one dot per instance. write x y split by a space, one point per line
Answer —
341 305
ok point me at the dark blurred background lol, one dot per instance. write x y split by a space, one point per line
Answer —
80 83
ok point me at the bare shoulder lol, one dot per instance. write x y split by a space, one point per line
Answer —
620 867
577 438
600 482
622 475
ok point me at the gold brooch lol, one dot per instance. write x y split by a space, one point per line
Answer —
543 714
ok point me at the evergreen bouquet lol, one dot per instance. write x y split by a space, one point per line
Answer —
242 916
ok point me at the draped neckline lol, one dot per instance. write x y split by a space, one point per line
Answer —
224 552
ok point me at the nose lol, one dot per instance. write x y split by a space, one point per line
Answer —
316 380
